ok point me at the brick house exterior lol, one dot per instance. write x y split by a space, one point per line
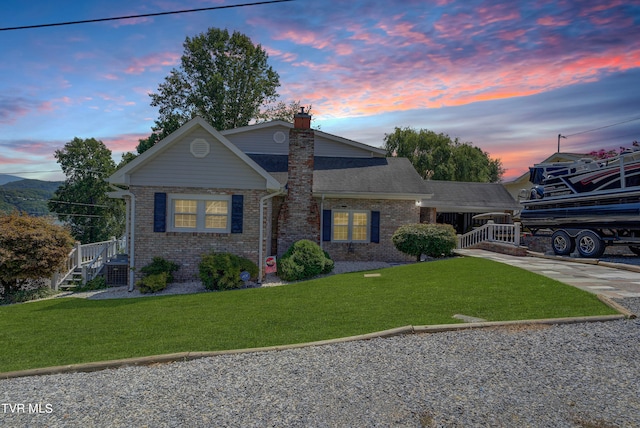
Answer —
255 190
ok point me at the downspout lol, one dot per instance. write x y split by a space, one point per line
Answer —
131 238
261 238
321 221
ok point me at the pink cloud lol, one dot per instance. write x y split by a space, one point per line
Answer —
124 142
4 160
304 37
553 21
282 56
153 62
511 35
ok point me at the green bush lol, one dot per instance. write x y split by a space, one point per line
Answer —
153 283
303 260
221 271
27 295
328 263
97 283
432 240
159 265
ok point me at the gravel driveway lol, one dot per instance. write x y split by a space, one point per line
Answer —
578 375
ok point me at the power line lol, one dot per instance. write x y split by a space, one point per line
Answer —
146 15
76 203
603 127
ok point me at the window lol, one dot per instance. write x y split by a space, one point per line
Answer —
199 213
350 226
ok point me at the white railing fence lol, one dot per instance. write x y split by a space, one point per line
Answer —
88 259
491 232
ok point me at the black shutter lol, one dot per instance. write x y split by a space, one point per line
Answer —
375 226
326 225
236 213
160 212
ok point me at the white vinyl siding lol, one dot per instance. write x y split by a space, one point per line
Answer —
178 167
200 213
350 226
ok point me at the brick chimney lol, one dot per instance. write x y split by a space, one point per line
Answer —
299 216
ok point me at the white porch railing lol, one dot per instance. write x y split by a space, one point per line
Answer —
491 232
88 259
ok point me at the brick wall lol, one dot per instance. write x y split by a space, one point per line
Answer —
187 248
299 216
393 214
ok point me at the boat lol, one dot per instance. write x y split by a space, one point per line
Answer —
594 198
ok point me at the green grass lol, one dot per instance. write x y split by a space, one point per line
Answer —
72 330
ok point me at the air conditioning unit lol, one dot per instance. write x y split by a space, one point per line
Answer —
116 272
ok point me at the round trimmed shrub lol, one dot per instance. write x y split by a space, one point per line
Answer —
303 260
432 240
160 265
153 283
221 271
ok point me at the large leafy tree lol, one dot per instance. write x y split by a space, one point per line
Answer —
82 200
30 248
281 111
223 78
438 157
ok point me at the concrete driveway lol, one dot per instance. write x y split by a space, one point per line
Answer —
612 280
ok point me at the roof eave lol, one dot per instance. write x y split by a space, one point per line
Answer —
371 195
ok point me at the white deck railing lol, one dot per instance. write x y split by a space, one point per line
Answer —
491 232
88 259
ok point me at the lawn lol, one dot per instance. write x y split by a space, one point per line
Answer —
72 330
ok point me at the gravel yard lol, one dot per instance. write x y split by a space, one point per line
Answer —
572 375
577 375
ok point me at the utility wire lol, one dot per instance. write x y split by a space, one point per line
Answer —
146 15
603 127
75 203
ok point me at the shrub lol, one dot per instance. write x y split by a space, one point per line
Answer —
303 260
433 240
157 275
97 283
221 271
328 263
30 248
159 265
27 295
153 283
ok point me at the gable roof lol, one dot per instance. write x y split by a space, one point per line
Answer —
375 151
456 196
122 175
388 178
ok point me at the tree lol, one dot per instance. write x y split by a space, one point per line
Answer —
438 157
223 78
82 200
30 248
281 111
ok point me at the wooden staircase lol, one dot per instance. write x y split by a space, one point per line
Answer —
86 262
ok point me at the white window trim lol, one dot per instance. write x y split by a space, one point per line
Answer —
200 212
350 226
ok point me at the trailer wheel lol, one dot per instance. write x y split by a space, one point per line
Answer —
562 243
635 250
589 244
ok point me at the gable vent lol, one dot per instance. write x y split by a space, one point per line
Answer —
279 137
199 148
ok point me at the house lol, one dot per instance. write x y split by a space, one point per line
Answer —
457 203
255 190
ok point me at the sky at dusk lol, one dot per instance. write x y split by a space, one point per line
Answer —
507 76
